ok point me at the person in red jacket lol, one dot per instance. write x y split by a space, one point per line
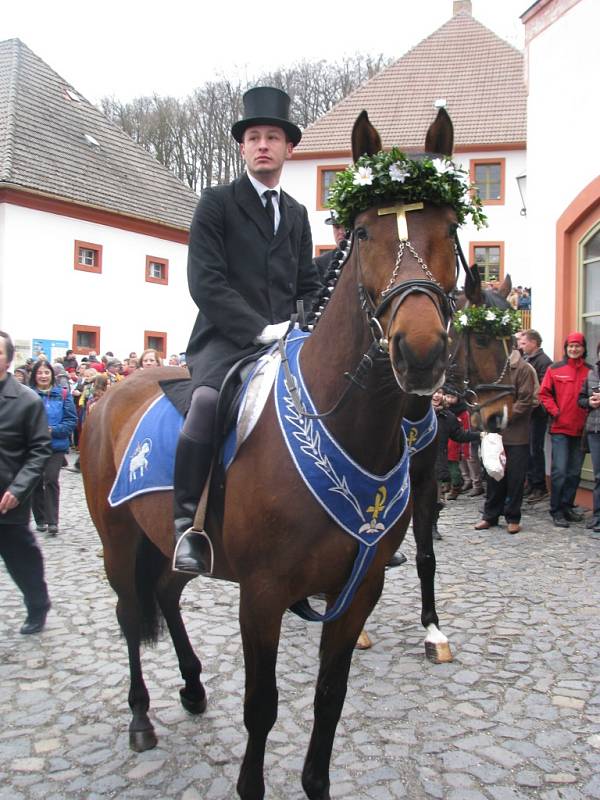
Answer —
559 394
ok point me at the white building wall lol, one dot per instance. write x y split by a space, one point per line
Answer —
300 180
505 222
43 295
563 154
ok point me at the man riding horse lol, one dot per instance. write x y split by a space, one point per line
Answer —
250 260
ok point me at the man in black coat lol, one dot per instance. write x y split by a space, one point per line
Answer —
323 262
531 346
250 260
24 450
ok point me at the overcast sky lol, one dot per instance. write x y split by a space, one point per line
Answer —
128 48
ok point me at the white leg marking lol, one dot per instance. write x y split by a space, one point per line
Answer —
435 636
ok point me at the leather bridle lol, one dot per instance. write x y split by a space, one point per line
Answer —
471 395
396 294
444 301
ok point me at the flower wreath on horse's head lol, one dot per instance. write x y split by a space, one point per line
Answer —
394 176
488 321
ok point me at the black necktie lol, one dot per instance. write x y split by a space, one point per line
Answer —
269 207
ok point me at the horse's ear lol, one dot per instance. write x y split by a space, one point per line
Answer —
440 136
365 139
473 286
505 287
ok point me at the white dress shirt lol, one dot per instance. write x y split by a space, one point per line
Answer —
261 188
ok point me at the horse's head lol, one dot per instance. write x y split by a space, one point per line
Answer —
482 358
403 246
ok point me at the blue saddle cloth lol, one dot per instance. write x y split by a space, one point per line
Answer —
148 464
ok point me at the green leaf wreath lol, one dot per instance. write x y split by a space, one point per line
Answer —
488 321
393 176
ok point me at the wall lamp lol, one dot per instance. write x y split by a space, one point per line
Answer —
522 186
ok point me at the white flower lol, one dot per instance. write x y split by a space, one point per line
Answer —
463 319
489 315
505 318
398 173
442 166
363 176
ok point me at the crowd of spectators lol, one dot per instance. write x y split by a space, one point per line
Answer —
519 297
85 380
561 399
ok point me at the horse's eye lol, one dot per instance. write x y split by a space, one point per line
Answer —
361 233
452 228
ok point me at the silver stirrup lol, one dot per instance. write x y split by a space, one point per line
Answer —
211 549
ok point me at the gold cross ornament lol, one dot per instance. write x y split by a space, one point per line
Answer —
400 212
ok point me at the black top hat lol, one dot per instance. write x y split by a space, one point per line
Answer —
333 220
265 105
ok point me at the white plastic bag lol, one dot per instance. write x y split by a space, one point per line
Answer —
493 455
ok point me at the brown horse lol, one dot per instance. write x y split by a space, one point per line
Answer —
474 362
481 362
273 538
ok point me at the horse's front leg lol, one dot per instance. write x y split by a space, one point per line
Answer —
337 645
260 625
437 647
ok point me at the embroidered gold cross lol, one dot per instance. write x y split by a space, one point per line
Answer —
412 437
378 505
400 212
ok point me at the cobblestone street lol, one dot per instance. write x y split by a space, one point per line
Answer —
515 716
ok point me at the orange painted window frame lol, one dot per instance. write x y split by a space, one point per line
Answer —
475 162
323 248
88 246
473 245
84 351
164 262
162 352
320 170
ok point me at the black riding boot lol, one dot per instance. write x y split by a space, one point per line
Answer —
192 465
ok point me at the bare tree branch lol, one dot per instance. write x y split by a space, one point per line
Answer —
192 137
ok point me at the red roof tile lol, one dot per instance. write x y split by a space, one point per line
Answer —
478 73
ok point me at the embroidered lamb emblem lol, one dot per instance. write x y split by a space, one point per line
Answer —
138 460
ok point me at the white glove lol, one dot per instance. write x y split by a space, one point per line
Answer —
272 333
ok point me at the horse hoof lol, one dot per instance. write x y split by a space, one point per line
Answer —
139 741
438 653
193 705
363 642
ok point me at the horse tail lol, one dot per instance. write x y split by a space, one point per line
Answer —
149 565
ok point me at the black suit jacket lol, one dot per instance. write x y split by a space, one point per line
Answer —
24 446
240 276
323 263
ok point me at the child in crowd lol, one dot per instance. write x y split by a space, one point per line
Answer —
466 455
451 402
99 388
448 428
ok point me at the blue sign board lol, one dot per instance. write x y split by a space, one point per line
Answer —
51 348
